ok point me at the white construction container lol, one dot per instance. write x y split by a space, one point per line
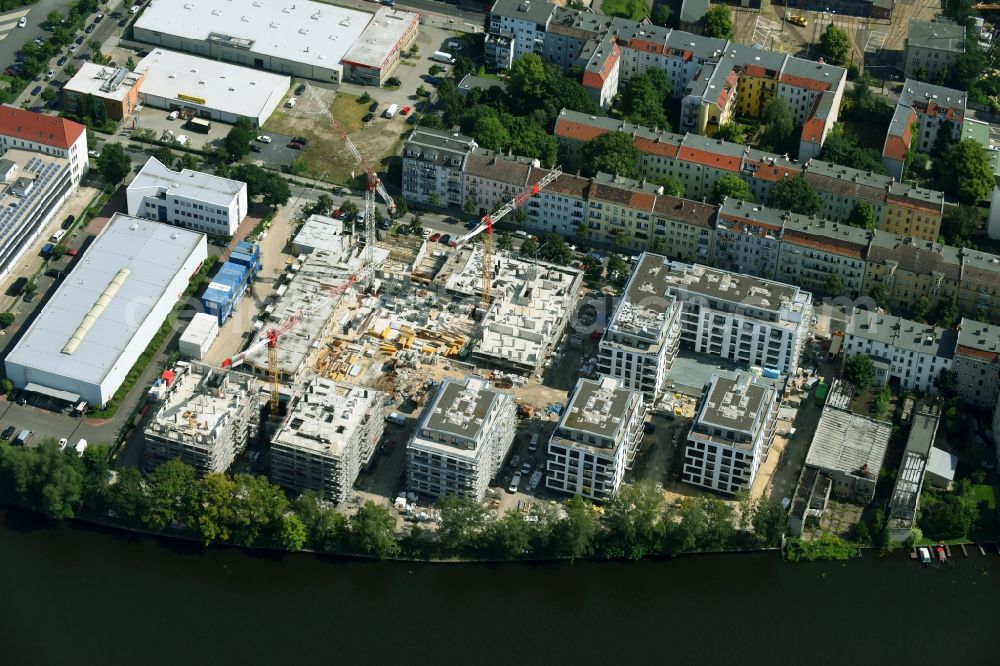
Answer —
199 336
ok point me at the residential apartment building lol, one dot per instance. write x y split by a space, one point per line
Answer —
731 434
620 211
490 179
433 163
596 440
206 417
463 436
747 237
748 320
640 342
818 254
683 229
561 207
912 211
905 269
923 110
331 432
977 362
52 135
192 199
932 47
911 353
840 188
523 23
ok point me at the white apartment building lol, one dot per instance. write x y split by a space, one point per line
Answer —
523 22
933 46
731 435
640 342
977 362
746 319
206 418
51 135
596 440
433 163
464 434
330 434
912 353
191 199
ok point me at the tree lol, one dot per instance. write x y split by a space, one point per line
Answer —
326 528
7 318
527 81
113 164
324 204
613 153
862 216
833 287
163 154
237 141
879 294
126 497
778 118
291 533
835 43
921 306
661 15
859 533
631 521
170 494
509 536
49 95
130 64
349 209
505 241
555 250
860 371
769 520
213 509
672 186
732 132
644 98
961 223
490 133
718 22
947 313
529 248
794 194
6 386
963 171
950 517
844 149
462 67
946 136
373 530
187 161
731 186
462 522
573 536
620 238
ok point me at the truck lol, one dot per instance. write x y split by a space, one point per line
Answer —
47 250
391 110
821 390
199 125
441 56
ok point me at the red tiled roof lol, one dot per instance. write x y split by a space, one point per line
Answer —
812 130
705 158
988 356
803 82
824 244
39 128
773 172
651 147
597 79
906 202
652 47
579 131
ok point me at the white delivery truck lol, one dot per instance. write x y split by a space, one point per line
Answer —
80 447
391 110
441 56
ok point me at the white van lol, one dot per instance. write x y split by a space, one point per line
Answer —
80 447
533 442
290 103
57 235
391 110
441 56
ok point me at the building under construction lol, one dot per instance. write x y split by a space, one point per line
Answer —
330 435
207 416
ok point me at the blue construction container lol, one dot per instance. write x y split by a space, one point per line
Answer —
246 254
225 290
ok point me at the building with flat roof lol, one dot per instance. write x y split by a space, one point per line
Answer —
320 232
207 88
732 433
933 47
206 418
103 315
596 440
116 89
52 135
330 434
850 448
905 500
193 199
303 39
460 443
375 55
33 189
909 352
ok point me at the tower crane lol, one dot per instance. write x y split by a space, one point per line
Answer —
486 227
374 185
271 336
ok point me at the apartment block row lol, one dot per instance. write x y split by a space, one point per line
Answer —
715 79
915 354
922 112
666 305
699 162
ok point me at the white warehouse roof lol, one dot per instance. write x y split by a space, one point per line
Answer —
83 330
231 89
380 39
187 183
300 31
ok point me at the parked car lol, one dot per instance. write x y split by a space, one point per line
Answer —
78 41
526 469
263 138
62 61
8 432
294 146
300 89
73 48
254 148
373 107
68 222
11 71
36 90
301 139
23 21
515 461
49 74
425 234
90 28
63 443
445 239
367 118
30 296
434 237
290 103
94 154
72 252
405 110
98 18
173 115
514 483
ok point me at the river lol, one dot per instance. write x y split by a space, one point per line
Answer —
74 594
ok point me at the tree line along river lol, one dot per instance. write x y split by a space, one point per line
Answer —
77 594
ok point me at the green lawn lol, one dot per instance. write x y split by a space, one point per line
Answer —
984 493
635 10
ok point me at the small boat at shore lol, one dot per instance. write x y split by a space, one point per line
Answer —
941 555
924 553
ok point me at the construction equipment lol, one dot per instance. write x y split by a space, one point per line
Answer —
272 335
374 185
486 227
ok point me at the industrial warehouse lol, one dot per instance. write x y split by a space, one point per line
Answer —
305 39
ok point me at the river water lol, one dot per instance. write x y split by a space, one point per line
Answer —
80 595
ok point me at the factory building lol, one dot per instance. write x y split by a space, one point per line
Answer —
104 314
206 417
375 56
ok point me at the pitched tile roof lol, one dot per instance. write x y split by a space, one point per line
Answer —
39 128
